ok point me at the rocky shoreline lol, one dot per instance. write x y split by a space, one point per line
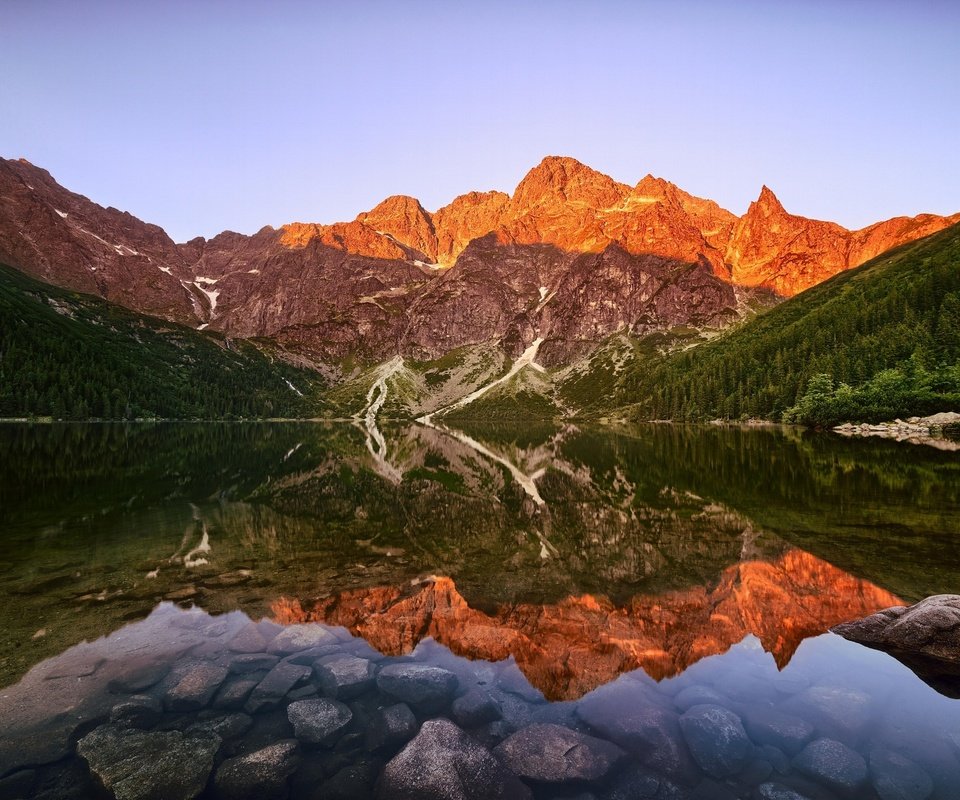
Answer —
915 430
205 707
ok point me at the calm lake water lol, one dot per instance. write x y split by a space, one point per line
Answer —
660 594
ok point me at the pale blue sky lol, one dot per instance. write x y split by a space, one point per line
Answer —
202 116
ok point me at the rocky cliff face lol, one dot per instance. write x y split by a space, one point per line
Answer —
571 647
571 257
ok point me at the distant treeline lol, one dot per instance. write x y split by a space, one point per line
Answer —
873 343
71 356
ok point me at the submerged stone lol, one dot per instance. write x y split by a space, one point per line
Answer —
295 638
553 754
444 763
391 727
275 685
474 708
832 763
261 775
155 765
345 676
896 777
191 686
319 721
716 739
784 731
634 718
422 686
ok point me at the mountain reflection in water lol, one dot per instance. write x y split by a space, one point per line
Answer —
568 648
584 573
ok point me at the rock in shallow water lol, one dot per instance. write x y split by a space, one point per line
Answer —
391 727
896 777
474 708
635 718
784 731
716 739
156 765
319 721
832 763
444 763
261 775
925 637
422 686
345 676
554 754
295 638
274 687
191 685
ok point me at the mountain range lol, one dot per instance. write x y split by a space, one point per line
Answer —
570 262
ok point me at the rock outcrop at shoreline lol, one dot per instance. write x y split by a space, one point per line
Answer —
925 637
917 430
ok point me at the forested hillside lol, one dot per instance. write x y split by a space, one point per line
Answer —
73 356
876 342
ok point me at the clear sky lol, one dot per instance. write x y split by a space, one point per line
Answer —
202 116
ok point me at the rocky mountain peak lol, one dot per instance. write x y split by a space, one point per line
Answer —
403 218
767 204
564 179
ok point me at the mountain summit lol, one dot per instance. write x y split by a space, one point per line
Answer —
570 258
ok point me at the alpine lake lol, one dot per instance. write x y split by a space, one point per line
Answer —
312 610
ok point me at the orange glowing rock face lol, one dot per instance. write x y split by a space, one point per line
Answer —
564 203
569 648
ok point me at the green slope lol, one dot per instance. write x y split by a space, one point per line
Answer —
73 356
875 342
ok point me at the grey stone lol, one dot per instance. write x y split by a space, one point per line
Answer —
295 638
924 637
344 677
632 717
784 731
444 763
554 754
248 640
425 687
640 783
474 708
777 791
253 662
275 685
233 694
137 711
261 775
698 695
191 686
154 765
834 710
716 739
896 777
319 721
226 726
391 727
302 693
832 763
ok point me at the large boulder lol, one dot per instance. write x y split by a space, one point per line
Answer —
444 763
294 638
716 739
896 777
555 754
424 687
834 764
319 721
155 765
261 775
925 637
344 676
275 685
191 685
631 716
